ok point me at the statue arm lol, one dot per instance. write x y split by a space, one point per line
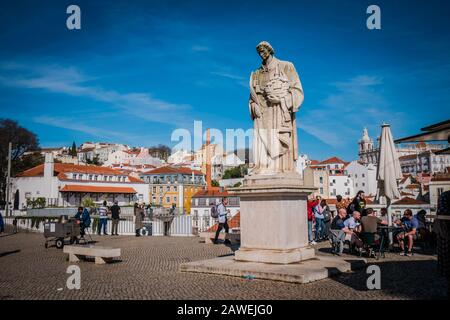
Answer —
254 108
296 90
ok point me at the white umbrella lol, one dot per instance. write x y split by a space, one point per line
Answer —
389 170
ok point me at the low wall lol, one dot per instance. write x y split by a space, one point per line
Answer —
180 226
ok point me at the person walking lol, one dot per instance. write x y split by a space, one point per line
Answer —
115 216
103 219
223 221
138 217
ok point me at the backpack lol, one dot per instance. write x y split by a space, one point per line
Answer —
214 211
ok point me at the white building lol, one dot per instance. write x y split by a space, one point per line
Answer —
222 162
340 184
68 185
180 156
301 164
368 153
364 177
425 162
438 184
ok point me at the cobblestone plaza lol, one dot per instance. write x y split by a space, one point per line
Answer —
148 269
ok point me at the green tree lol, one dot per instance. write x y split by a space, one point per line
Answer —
73 150
23 142
215 183
236 172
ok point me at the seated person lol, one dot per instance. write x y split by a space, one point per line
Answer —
422 230
370 223
84 218
338 230
354 225
409 224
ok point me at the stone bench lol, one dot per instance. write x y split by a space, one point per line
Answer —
101 254
209 236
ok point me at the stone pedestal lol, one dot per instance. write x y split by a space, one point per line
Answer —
274 225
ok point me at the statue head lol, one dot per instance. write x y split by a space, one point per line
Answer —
265 50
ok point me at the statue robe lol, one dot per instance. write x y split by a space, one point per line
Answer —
275 146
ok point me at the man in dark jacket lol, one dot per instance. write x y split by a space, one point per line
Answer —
115 216
358 204
85 219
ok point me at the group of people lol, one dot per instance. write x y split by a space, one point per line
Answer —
320 215
84 217
354 222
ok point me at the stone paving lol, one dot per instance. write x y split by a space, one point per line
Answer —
149 270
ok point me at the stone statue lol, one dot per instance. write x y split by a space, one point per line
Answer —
275 95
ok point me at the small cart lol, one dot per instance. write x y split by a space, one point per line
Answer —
59 231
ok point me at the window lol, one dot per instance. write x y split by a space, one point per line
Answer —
363 175
356 184
90 177
160 200
321 179
167 188
74 176
439 191
356 176
175 188
95 177
363 184
334 180
105 178
167 199
334 192
174 199
154 189
321 190
160 189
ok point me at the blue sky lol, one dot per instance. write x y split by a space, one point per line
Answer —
137 70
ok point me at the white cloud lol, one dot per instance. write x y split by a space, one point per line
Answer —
72 82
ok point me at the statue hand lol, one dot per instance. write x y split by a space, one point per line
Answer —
273 99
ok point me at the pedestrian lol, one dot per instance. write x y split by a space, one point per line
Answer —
341 203
318 215
326 218
103 219
310 205
223 221
115 216
358 204
84 219
138 217
2 224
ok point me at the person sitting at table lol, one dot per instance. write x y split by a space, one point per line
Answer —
354 225
409 225
338 230
371 222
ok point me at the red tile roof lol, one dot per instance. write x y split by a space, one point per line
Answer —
95 189
211 192
172 170
333 160
408 200
60 170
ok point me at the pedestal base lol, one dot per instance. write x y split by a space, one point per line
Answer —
274 256
318 268
274 226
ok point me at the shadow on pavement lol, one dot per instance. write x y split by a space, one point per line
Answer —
413 279
7 253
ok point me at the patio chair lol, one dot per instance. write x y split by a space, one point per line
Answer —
370 244
337 238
